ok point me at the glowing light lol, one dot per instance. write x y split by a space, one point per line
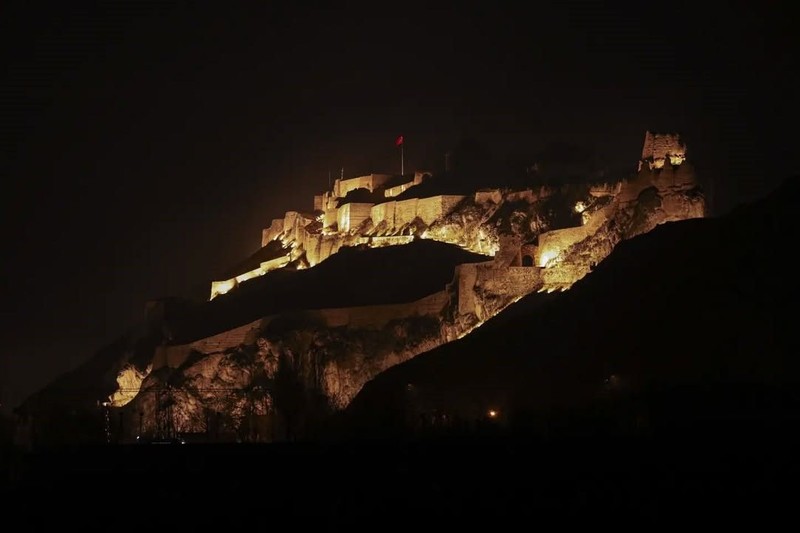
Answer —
676 159
492 413
580 207
547 257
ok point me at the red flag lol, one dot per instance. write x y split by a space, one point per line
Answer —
399 141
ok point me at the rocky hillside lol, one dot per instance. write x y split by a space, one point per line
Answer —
293 340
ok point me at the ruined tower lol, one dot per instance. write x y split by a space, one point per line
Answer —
662 147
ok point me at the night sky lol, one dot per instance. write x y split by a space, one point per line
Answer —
144 145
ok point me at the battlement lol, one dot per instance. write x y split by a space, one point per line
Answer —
662 147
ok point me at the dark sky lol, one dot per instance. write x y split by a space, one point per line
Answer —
145 144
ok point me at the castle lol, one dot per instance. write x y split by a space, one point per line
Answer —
541 239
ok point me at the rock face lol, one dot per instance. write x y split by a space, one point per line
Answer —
281 375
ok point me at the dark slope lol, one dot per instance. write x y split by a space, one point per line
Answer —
693 320
353 277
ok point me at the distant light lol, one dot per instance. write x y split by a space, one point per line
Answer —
492 413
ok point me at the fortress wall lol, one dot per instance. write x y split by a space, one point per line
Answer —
563 274
293 224
511 281
397 189
272 232
528 250
466 276
393 240
430 209
605 189
369 182
377 316
272 264
318 202
527 196
677 208
661 145
228 339
494 196
289 223
330 218
320 247
384 211
405 211
508 251
450 201
554 242
351 215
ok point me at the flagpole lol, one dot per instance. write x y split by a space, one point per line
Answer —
402 145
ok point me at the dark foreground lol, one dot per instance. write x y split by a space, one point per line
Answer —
497 480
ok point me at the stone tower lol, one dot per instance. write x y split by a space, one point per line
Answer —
662 147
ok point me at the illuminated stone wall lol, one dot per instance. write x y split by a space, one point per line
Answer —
330 218
431 209
350 216
272 232
605 189
563 275
294 222
526 195
320 247
369 182
377 316
405 211
513 282
465 277
552 243
494 196
383 212
662 148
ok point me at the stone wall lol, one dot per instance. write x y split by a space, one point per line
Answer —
662 148
465 277
605 189
383 212
272 232
563 275
294 222
391 240
330 217
350 216
511 281
377 316
431 209
552 243
320 247
527 195
485 196
369 182
405 211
